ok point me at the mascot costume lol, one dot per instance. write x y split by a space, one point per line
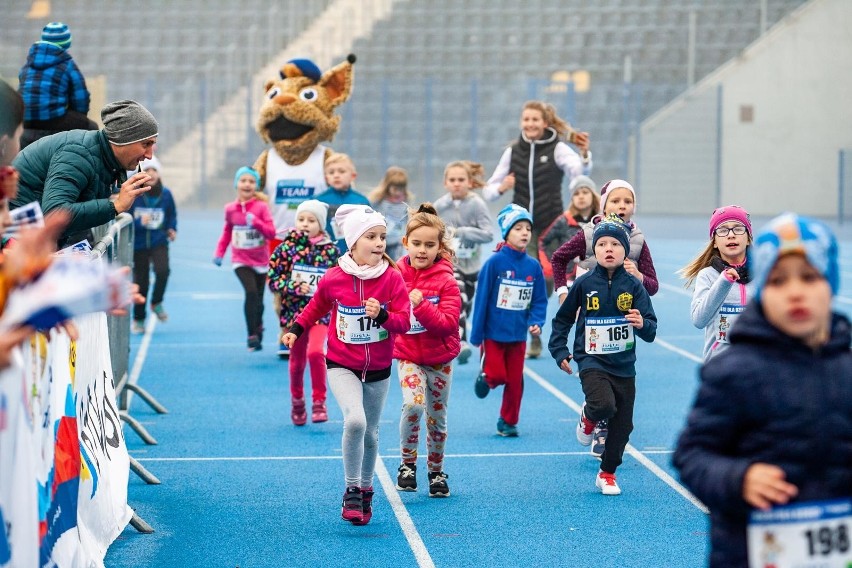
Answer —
296 116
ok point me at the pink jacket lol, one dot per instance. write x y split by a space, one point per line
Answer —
338 289
238 234
438 313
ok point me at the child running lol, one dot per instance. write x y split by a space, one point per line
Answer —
467 213
426 352
607 304
511 302
248 224
340 174
298 263
619 198
767 446
369 306
391 198
720 275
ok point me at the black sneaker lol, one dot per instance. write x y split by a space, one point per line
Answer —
352 510
438 484
480 387
254 343
407 478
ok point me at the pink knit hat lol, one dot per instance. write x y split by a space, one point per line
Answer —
730 213
611 186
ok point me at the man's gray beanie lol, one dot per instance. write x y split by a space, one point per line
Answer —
126 122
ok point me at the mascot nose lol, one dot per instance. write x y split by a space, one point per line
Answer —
284 99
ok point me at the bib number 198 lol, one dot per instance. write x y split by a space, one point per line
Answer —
827 540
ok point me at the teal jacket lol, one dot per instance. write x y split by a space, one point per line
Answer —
74 170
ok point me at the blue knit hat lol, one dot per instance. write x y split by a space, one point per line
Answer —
301 68
613 226
246 170
510 215
57 33
789 233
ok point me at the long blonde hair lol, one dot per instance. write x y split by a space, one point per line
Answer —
548 113
427 216
702 261
394 176
475 172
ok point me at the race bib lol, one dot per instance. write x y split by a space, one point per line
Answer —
416 326
804 535
464 250
728 313
608 335
244 237
353 326
292 192
151 217
309 274
514 295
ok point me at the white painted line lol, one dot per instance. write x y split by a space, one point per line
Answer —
665 477
424 560
139 361
676 289
655 451
678 350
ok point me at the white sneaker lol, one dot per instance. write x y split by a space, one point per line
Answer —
585 428
606 483
137 327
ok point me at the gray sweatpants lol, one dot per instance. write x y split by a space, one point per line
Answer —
362 405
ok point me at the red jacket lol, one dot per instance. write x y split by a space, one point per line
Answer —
336 289
438 313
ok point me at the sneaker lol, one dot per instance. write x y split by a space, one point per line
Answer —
505 429
438 484
599 439
254 343
283 351
319 412
138 327
353 503
160 312
366 506
406 480
464 353
298 414
606 483
480 387
585 427
534 350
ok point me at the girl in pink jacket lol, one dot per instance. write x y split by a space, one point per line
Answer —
248 224
369 306
426 352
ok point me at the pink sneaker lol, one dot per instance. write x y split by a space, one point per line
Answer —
353 503
319 412
366 506
298 414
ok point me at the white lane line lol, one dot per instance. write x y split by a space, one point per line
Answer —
666 345
424 560
676 289
139 361
656 451
665 477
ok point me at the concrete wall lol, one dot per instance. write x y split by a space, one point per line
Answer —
796 80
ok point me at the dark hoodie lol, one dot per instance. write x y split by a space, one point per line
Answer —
51 83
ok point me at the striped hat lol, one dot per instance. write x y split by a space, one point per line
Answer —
57 33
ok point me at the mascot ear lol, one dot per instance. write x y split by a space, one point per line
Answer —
337 82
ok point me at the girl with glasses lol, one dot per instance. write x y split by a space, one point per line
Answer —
720 276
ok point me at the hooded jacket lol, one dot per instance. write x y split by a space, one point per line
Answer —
51 83
159 203
235 218
438 313
767 398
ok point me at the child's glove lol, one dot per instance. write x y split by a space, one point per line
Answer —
217 261
250 219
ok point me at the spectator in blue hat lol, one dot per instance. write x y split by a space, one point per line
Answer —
55 95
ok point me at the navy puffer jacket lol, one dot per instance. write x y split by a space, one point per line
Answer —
770 399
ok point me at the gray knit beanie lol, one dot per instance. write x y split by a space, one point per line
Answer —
127 122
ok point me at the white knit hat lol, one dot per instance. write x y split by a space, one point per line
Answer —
355 220
316 208
152 164
611 186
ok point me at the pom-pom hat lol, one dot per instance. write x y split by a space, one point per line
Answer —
791 234
355 220
612 226
57 33
510 215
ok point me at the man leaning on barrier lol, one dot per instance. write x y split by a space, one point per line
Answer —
85 172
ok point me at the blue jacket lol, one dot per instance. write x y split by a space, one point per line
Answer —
768 398
51 83
508 279
162 208
597 297
335 199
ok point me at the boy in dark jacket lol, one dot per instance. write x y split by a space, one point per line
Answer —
608 304
752 449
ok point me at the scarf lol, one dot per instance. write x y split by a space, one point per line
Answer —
364 272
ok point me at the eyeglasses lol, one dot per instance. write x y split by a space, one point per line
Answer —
724 231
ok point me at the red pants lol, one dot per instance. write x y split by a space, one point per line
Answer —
504 365
309 348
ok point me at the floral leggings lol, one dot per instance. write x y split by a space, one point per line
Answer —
424 388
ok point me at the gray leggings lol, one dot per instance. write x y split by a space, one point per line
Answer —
362 405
